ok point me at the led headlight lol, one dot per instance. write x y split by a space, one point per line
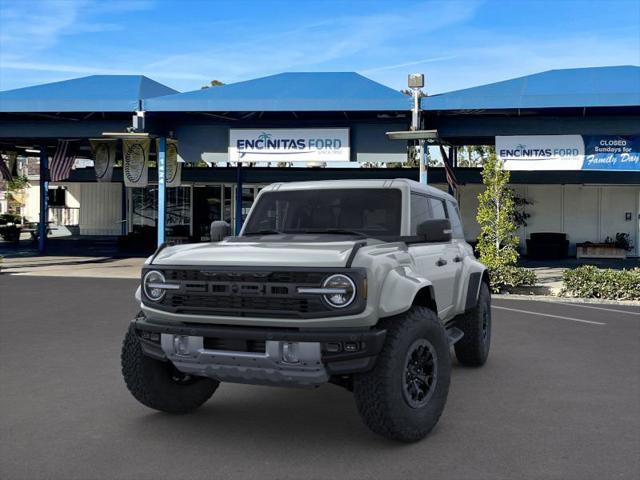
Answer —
343 290
150 285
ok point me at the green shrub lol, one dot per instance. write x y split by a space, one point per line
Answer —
505 277
592 282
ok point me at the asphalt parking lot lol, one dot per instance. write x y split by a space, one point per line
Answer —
558 399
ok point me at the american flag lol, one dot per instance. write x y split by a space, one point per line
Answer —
62 161
448 169
5 172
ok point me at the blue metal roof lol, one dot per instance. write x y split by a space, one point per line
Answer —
576 87
96 93
288 92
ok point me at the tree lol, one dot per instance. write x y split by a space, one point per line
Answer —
213 83
497 242
474 155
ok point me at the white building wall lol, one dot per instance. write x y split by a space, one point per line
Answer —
31 208
615 203
100 208
586 213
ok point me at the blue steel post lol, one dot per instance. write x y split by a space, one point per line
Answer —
238 226
162 190
44 200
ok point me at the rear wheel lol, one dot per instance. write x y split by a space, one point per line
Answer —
473 348
159 385
403 397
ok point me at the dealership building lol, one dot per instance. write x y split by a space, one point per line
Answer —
571 139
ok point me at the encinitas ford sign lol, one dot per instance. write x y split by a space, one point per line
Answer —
541 152
289 145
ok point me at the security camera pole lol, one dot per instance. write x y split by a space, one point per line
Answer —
416 83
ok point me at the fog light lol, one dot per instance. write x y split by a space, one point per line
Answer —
181 344
290 352
350 347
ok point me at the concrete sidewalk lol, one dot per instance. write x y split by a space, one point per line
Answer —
549 277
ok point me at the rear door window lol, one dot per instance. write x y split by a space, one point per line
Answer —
420 211
437 208
454 217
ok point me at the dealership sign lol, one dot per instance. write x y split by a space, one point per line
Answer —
289 145
569 152
541 152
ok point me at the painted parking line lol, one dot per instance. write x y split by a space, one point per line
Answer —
548 315
628 312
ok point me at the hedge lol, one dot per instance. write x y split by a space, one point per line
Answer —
506 277
588 281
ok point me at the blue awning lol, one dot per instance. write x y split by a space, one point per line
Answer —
96 93
577 87
288 92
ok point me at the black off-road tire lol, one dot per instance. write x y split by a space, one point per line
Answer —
380 394
158 384
473 348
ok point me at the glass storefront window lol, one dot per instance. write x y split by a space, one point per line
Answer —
144 210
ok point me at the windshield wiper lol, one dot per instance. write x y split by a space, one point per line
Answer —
263 232
338 231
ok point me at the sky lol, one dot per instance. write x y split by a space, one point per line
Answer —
185 44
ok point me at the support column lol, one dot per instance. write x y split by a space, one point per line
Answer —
124 230
238 225
162 188
44 200
423 162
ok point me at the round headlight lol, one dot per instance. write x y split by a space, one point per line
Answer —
344 291
153 293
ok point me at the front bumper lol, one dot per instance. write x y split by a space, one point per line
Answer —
255 355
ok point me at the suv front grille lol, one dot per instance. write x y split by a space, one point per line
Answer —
259 293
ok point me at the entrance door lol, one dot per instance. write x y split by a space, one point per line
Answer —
208 206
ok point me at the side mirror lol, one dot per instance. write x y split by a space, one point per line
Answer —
435 230
219 230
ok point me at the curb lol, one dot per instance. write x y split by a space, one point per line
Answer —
553 299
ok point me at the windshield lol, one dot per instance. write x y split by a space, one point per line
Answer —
373 212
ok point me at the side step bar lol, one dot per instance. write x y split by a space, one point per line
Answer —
454 335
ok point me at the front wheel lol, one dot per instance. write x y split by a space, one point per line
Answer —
404 395
159 385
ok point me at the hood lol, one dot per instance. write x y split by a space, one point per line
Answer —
225 253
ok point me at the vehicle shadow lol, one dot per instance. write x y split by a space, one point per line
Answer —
277 417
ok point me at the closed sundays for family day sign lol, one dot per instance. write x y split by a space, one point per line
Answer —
569 152
289 145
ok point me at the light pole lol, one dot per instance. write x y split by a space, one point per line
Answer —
416 83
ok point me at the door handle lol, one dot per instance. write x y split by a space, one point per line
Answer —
441 262
457 259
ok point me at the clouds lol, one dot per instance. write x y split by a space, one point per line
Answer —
186 44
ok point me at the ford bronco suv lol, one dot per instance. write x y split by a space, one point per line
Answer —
364 284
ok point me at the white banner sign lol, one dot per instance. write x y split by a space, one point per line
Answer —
541 152
136 162
289 145
104 157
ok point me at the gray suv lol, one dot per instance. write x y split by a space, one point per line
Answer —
363 284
